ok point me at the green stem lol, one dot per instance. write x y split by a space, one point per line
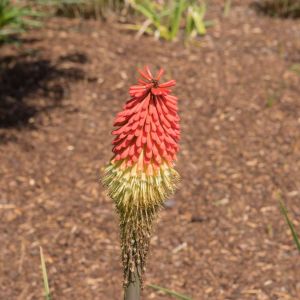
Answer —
133 289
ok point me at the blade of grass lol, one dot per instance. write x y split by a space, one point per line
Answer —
143 28
227 8
135 27
146 9
169 292
45 276
198 14
290 224
189 22
177 16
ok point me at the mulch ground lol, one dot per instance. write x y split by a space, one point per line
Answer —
222 235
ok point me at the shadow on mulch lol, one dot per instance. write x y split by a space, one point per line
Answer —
17 40
6 138
278 8
23 79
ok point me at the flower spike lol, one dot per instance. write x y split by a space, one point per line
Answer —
141 174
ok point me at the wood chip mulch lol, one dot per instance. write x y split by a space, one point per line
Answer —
222 236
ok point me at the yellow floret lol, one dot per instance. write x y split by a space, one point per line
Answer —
137 197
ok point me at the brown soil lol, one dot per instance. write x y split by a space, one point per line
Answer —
222 235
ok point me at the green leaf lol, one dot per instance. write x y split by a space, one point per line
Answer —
15 19
189 22
166 19
45 276
136 27
147 10
197 16
176 18
290 224
200 26
169 292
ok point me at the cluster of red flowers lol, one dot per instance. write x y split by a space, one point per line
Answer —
148 132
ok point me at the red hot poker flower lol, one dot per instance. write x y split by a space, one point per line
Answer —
149 125
141 176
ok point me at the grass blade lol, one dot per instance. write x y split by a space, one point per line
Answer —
177 16
291 225
146 8
227 8
45 276
198 17
189 22
169 292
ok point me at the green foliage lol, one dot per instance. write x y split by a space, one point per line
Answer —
96 9
165 19
280 8
195 23
15 19
290 224
45 276
176 18
169 292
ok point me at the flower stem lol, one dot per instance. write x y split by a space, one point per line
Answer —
133 289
